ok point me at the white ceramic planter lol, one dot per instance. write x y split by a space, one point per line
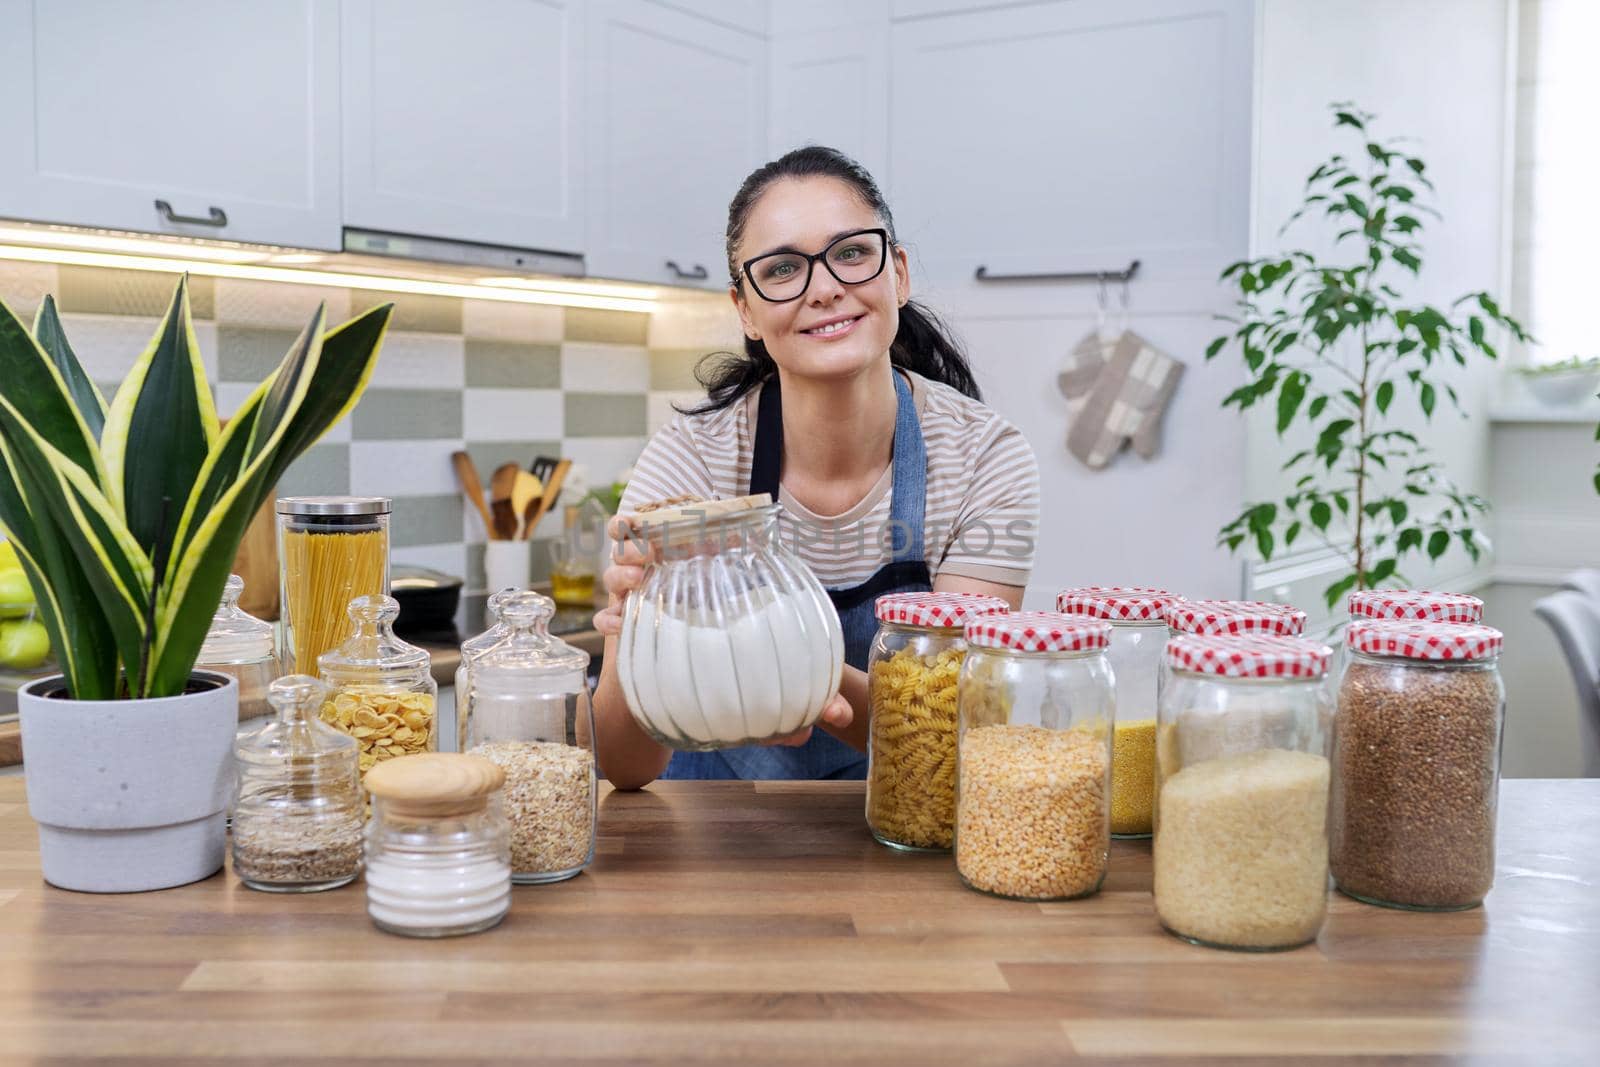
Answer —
129 795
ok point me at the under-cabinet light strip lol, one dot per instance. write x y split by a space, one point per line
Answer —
336 279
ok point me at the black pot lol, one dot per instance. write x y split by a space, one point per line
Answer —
428 600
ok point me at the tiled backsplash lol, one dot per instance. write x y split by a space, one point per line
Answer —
505 381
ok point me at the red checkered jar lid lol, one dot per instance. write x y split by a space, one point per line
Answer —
1126 603
944 611
1421 604
1250 656
1434 641
1039 631
1229 618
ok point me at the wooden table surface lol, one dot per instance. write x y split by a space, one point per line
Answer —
757 923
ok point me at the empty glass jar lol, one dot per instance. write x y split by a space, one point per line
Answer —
471 649
912 689
243 647
438 849
528 712
1242 777
1033 798
1417 764
1138 637
730 639
381 689
298 819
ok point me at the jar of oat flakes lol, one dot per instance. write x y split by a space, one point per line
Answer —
381 689
1033 795
528 711
1417 764
912 673
1241 840
1138 636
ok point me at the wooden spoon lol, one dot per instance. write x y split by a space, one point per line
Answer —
552 490
472 487
526 493
501 484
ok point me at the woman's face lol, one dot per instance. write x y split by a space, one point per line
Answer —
807 215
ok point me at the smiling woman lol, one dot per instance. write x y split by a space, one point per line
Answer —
856 410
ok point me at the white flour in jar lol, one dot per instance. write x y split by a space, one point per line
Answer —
765 673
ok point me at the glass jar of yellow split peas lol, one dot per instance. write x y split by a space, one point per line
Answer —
1033 792
912 672
1138 638
381 689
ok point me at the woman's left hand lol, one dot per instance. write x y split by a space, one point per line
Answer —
836 713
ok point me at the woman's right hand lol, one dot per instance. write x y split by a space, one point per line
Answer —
623 575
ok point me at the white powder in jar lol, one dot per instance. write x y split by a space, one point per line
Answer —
763 673
432 895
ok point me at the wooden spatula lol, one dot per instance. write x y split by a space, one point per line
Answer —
472 488
525 496
501 485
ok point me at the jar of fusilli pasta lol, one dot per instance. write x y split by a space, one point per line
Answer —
912 673
1033 795
381 689
1138 637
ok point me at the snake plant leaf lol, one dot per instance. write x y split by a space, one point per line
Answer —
47 330
319 381
34 384
61 495
163 415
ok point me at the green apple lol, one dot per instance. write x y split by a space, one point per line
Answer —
8 557
16 596
23 645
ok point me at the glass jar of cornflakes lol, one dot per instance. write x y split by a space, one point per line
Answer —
912 673
1138 637
381 689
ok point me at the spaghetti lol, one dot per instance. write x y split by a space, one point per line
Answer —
323 570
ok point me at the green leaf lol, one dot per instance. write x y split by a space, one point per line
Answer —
1290 398
1346 118
1438 542
1382 571
1427 399
1290 534
1385 396
42 397
1407 259
1398 511
1264 542
1321 515
1475 329
1469 542
162 414
1335 592
85 394
1318 405
1216 346
1410 538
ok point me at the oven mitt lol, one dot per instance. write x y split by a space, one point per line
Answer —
1089 357
1125 402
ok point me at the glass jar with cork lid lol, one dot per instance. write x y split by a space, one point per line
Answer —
297 822
1138 637
1033 795
438 848
913 670
381 689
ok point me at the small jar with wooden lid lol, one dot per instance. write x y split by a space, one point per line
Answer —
438 846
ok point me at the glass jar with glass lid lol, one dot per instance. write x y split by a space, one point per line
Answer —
381 689
331 550
730 639
1417 764
1139 634
472 648
1033 795
438 848
1242 778
913 671
242 646
298 818
528 711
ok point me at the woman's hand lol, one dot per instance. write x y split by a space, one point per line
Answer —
836 713
623 576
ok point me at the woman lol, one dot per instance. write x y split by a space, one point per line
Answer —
853 407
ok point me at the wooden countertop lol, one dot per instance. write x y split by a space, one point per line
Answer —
757 923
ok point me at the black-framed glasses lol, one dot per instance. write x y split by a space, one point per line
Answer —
852 258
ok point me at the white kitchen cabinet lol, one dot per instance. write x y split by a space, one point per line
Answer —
830 81
226 113
1073 135
677 118
466 125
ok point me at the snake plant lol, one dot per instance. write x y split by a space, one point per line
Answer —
127 517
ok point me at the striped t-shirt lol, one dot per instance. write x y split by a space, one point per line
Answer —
982 510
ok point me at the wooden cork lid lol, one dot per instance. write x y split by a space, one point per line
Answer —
700 510
435 784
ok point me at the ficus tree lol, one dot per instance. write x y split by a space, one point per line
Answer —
1335 345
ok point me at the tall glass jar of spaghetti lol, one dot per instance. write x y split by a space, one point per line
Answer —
912 675
331 550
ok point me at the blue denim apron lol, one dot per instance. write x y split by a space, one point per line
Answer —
825 756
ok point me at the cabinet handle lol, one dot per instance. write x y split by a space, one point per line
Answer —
214 216
699 274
